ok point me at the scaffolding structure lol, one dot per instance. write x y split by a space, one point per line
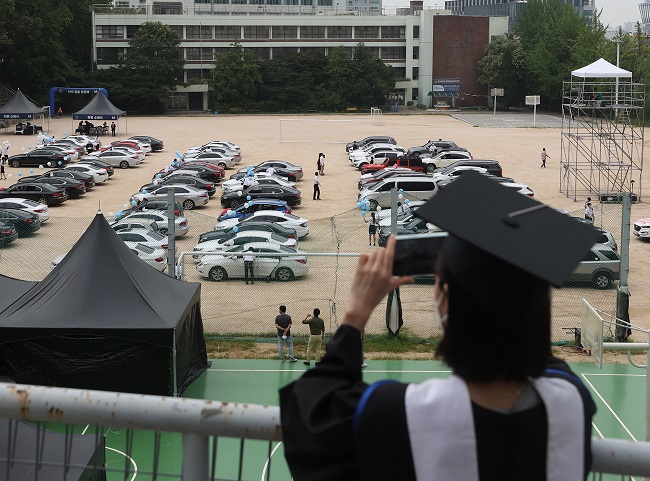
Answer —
602 138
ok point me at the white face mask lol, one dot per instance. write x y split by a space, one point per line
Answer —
438 301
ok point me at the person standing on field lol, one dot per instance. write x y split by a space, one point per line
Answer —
316 336
283 326
316 187
321 164
544 157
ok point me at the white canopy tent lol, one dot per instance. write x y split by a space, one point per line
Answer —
601 68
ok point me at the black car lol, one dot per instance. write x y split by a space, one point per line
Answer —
38 157
150 205
185 180
373 139
492 166
156 144
287 194
287 174
8 234
99 164
272 227
74 188
25 223
415 226
87 179
439 145
43 193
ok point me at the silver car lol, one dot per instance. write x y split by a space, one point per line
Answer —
600 267
160 220
186 195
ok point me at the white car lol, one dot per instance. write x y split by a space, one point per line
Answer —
360 157
224 160
116 158
131 237
217 143
190 154
458 171
99 175
241 238
64 149
161 220
299 224
444 159
122 148
261 178
88 140
271 262
642 229
186 195
155 257
27 205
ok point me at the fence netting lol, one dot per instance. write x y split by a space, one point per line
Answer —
232 309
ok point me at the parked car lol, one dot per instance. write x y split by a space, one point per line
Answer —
74 188
27 205
373 139
290 175
99 175
241 238
286 219
642 229
44 193
119 148
362 157
224 160
411 188
156 258
124 224
8 234
116 158
439 145
273 227
254 205
366 180
193 154
161 220
204 172
50 149
37 157
279 166
444 159
149 238
416 226
87 179
285 266
261 178
188 196
91 143
156 144
492 166
216 143
287 194
134 144
415 165
25 223
98 164
600 267
191 180
78 147
159 204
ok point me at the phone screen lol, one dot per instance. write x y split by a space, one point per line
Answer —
417 254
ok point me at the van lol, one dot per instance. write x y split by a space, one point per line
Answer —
492 166
411 187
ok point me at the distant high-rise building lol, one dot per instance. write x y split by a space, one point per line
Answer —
644 8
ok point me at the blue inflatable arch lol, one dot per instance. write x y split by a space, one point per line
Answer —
72 90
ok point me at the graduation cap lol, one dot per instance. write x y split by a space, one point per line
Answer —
494 230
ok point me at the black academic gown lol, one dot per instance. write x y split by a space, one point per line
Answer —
335 428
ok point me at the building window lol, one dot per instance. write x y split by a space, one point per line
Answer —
131 30
400 73
373 51
414 94
260 53
393 53
366 32
314 50
227 32
416 31
193 75
324 3
393 32
416 73
198 53
198 32
312 32
109 55
307 2
285 32
339 32
256 32
109 31
280 51
416 52
178 30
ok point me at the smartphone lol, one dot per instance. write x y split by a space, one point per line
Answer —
417 253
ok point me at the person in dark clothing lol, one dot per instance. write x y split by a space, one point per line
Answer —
113 127
283 326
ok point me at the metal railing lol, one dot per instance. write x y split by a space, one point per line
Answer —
200 421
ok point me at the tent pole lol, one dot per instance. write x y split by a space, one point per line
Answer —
174 363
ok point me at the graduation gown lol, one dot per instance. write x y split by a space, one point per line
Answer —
336 427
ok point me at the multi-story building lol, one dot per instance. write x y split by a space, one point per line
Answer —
421 45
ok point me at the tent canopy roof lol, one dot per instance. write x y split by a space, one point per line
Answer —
99 108
101 288
19 107
601 68
12 289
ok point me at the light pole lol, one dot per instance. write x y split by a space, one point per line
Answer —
617 39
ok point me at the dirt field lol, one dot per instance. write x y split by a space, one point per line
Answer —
518 151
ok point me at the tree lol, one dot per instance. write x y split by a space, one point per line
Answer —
153 66
235 78
504 66
374 79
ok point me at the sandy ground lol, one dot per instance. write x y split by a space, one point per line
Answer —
517 149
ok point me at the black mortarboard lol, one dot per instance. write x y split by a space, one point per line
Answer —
508 226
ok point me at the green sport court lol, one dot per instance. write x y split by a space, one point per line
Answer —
618 390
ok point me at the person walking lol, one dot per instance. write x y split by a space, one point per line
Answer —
544 157
316 336
321 163
589 213
316 187
59 112
283 326
113 127
372 229
249 263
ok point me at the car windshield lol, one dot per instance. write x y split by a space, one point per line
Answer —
144 248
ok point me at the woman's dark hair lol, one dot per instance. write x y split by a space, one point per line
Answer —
506 337
316 311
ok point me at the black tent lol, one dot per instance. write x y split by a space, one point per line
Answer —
103 319
12 289
31 452
18 107
99 108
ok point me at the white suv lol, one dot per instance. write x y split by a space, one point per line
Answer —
412 188
642 229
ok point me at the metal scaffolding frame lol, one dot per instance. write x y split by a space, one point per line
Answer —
602 138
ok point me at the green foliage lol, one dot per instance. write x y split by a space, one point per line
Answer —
235 79
504 66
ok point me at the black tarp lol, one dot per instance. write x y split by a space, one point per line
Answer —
99 108
73 457
18 107
103 319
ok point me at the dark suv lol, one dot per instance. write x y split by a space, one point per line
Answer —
492 166
373 139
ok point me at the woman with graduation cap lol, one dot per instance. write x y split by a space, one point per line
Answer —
509 411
